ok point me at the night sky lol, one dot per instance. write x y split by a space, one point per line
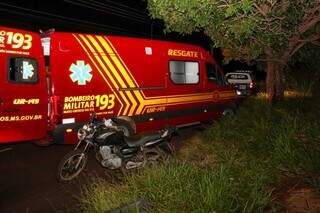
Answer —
115 17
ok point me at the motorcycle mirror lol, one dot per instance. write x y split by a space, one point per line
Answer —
174 131
93 117
107 122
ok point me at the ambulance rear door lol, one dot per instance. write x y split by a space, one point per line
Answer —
23 92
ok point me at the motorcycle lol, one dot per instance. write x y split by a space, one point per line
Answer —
113 149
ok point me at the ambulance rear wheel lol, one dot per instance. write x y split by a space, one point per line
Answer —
126 130
126 125
228 112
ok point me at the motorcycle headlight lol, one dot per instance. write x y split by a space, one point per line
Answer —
82 134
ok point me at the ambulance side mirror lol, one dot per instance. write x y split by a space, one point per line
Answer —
226 80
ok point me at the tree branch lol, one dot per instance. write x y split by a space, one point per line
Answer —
310 38
260 10
314 10
301 42
307 24
317 43
296 42
313 19
272 60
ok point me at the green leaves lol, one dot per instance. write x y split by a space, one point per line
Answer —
246 27
239 8
231 11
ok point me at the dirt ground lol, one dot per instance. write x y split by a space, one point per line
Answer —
303 200
295 196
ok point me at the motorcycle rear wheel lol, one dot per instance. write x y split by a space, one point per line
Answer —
155 156
71 165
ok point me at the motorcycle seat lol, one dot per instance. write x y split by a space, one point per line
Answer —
140 139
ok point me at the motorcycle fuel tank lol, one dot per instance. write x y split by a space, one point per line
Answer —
107 137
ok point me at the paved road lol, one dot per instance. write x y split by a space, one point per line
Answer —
28 178
28 182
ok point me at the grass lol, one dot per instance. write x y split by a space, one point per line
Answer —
234 167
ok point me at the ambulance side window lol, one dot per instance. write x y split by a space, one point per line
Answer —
214 75
184 72
23 70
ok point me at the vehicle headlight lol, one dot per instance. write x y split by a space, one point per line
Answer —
82 134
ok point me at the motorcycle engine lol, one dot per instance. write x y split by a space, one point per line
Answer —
109 160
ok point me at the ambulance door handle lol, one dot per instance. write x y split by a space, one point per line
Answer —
12 110
1 102
210 90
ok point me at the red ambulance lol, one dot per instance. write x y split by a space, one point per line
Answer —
51 83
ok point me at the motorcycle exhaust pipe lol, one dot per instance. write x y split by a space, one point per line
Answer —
151 143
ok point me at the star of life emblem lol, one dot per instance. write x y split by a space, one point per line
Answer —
80 72
27 70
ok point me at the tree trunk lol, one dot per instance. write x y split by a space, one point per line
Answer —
270 84
275 78
280 82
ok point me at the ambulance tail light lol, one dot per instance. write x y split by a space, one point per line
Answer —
46 41
46 46
55 110
49 108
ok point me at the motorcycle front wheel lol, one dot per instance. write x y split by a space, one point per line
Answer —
71 165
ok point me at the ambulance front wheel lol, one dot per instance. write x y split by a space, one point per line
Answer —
43 142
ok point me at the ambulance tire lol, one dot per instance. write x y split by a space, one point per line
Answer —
43 142
230 111
127 125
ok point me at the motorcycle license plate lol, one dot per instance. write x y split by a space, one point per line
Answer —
242 86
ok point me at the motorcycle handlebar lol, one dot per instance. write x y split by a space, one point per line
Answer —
93 117
171 129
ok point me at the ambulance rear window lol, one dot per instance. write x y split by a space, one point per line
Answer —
184 72
23 70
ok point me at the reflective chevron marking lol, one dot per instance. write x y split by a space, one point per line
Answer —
96 60
102 53
115 71
124 73
99 70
